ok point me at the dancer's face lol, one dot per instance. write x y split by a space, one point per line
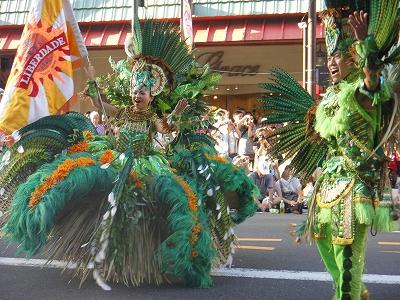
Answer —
141 98
339 66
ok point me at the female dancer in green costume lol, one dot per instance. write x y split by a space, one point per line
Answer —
344 132
114 205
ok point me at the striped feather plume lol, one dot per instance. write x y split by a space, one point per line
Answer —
161 40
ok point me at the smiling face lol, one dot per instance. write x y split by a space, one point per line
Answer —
339 66
141 98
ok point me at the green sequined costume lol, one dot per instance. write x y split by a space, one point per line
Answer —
349 191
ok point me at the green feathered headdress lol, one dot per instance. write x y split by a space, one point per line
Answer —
338 34
157 54
383 28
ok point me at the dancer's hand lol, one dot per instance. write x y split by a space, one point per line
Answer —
359 23
90 72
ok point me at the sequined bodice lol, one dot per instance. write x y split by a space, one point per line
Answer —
136 129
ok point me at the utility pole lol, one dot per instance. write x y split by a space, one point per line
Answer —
311 48
303 26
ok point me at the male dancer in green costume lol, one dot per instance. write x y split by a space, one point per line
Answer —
345 132
349 117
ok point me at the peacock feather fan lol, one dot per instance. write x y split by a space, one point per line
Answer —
288 103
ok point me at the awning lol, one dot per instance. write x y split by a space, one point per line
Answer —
230 31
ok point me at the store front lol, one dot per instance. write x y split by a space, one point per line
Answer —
244 50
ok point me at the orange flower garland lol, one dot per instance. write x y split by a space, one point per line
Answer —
192 203
60 173
216 158
195 234
189 193
79 147
194 253
107 157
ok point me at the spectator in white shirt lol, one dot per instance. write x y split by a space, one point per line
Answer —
290 190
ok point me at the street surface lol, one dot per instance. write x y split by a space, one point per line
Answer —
268 265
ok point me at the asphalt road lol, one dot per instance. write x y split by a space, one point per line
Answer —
265 245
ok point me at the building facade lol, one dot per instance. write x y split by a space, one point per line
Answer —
241 39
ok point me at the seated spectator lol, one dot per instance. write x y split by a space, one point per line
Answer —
264 180
289 189
242 161
261 144
95 119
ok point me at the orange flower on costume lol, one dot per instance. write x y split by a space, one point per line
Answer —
107 157
194 239
196 229
87 135
60 173
189 193
192 203
79 147
133 175
216 158
194 253
139 184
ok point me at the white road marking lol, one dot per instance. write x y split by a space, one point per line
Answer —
389 243
300 275
35 262
233 272
258 240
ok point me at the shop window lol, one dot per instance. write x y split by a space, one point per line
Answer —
5 68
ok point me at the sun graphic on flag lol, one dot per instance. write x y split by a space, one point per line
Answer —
43 57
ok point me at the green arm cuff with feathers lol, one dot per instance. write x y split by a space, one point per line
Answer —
382 94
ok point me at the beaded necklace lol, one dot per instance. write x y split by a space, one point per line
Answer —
139 115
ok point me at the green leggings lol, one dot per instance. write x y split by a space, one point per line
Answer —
345 263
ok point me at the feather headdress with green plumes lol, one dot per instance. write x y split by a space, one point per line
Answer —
157 53
383 25
381 49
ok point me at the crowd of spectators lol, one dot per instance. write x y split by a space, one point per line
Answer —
244 140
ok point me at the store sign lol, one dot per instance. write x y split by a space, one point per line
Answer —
216 62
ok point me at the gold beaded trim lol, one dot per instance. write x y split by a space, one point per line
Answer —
362 199
140 116
337 199
342 241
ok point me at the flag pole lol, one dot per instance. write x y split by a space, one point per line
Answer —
103 110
